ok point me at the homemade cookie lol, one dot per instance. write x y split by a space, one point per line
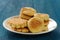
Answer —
45 17
25 30
17 23
27 12
35 24
23 16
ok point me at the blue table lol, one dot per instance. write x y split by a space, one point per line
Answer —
12 7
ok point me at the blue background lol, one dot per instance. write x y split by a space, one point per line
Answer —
12 7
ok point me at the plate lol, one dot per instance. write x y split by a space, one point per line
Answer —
51 26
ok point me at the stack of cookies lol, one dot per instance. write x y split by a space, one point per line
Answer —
27 13
40 22
18 24
29 21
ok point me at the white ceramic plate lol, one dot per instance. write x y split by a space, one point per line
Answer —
51 26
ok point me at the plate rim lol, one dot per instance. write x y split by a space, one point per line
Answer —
4 25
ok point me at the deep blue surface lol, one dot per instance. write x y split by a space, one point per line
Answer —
12 7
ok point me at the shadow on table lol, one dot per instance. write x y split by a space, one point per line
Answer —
20 36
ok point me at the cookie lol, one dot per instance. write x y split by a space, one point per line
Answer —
45 17
35 24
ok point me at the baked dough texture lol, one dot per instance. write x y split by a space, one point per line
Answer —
27 12
45 17
35 24
17 23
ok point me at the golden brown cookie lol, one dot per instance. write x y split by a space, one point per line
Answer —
35 24
28 11
17 22
23 16
45 17
25 30
19 29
